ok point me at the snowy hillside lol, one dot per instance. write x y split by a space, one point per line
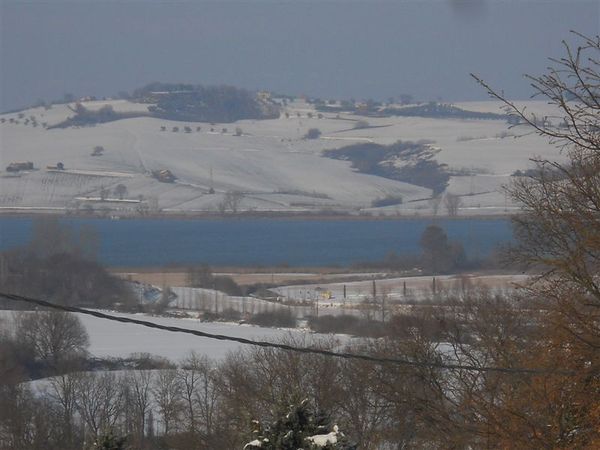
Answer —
268 162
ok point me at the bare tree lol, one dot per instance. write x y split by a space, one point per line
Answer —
561 203
104 192
53 336
436 254
558 236
452 202
434 202
120 190
63 392
189 379
99 401
207 396
231 202
138 399
142 207
200 394
50 237
17 416
168 396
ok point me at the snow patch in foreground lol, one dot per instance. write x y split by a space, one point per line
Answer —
321 440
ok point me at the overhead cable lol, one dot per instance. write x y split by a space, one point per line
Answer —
281 346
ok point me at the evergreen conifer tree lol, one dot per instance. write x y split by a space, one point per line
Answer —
299 426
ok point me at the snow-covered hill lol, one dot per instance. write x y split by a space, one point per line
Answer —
270 163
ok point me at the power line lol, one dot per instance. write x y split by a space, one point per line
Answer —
265 344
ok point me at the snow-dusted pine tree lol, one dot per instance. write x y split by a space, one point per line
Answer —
299 426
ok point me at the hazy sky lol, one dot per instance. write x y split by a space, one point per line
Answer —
342 49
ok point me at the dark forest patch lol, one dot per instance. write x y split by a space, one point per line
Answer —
407 161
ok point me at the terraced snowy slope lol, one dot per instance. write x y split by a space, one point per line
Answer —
270 163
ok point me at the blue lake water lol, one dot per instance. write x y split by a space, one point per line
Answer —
245 242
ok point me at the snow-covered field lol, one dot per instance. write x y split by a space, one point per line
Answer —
197 299
305 300
115 339
395 289
271 164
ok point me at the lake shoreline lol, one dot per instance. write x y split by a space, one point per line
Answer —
253 215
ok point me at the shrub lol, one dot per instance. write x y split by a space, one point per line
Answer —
203 277
227 284
277 318
313 133
231 314
390 200
228 315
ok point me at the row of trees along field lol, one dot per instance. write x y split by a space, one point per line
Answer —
533 376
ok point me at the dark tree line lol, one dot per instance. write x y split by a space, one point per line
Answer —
441 110
182 102
199 103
